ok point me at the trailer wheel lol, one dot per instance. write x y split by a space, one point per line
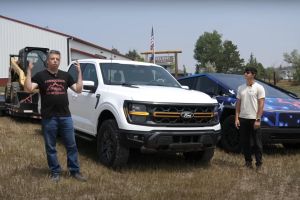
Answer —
110 150
7 92
15 87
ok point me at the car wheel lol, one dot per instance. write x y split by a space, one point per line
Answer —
200 156
230 140
109 148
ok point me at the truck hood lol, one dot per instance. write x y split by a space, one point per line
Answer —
282 105
162 94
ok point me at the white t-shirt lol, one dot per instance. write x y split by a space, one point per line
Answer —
249 96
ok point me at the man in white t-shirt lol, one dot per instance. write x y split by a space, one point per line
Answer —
249 109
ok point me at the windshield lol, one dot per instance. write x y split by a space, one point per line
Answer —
130 74
234 81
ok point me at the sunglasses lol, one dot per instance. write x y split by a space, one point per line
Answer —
247 72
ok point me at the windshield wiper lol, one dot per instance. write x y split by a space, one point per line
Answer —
156 84
292 95
128 85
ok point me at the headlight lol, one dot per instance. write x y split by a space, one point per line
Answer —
136 113
216 113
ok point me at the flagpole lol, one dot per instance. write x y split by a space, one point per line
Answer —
152 46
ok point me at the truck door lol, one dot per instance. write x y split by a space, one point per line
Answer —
82 105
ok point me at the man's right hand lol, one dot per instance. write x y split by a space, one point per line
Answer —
28 85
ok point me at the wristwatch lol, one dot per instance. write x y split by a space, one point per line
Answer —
258 120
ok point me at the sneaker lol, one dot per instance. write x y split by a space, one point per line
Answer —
54 177
78 176
249 165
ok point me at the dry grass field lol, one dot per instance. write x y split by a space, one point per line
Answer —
24 174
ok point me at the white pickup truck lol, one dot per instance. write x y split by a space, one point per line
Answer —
128 104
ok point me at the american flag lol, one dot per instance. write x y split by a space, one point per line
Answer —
152 59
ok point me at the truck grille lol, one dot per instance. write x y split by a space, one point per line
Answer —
177 115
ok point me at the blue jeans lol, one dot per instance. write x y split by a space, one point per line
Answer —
64 126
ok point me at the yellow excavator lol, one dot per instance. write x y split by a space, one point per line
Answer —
17 101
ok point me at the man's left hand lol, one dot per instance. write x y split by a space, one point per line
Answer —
256 124
77 66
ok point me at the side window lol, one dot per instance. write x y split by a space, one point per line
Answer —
208 86
191 82
73 71
90 74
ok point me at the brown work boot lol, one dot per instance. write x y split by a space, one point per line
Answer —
78 176
249 165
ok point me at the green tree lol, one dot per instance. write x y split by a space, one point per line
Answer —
114 50
213 55
231 61
259 67
272 75
294 59
269 74
208 49
134 55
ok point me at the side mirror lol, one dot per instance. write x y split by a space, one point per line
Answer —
89 86
185 87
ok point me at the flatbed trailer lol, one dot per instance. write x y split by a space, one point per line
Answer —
26 107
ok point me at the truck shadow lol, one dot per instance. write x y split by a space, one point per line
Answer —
167 161
170 161
142 161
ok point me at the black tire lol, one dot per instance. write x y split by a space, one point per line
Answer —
291 145
230 140
7 92
109 148
14 89
200 156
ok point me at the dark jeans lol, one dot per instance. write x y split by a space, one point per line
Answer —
250 141
64 126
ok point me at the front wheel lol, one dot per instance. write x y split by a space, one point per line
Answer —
204 156
109 148
230 140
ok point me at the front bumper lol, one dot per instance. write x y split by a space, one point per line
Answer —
280 135
177 141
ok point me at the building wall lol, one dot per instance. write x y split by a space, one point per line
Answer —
93 50
15 36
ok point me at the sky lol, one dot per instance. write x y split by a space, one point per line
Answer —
266 28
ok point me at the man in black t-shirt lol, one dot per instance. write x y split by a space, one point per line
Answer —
56 117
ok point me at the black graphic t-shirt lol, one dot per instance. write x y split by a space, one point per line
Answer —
53 89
